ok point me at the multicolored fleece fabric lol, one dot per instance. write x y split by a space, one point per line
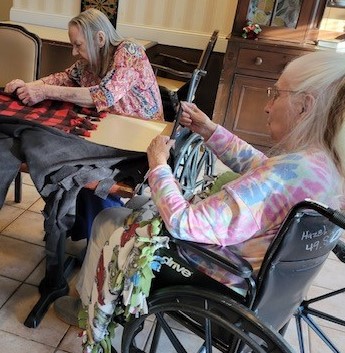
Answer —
129 88
248 211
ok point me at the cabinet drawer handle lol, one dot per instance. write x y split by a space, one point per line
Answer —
258 61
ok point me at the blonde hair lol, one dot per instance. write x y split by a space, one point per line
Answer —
91 21
321 75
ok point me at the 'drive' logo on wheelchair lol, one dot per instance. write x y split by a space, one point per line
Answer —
173 264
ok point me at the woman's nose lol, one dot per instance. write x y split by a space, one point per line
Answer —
268 106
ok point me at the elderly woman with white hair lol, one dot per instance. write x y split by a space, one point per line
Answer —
111 74
306 119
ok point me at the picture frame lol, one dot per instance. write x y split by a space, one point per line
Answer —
108 7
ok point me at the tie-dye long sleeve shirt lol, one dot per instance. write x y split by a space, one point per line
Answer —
247 212
129 88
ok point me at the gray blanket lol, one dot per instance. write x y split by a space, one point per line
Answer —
60 164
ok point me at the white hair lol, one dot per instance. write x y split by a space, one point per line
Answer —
91 21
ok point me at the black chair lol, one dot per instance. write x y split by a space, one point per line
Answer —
181 294
174 75
17 43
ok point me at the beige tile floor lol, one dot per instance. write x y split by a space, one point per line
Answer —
22 267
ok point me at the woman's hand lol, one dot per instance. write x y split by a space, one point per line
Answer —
13 85
196 120
158 151
31 94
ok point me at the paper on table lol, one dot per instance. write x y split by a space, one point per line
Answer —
128 133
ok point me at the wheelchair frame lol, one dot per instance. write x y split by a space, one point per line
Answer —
306 313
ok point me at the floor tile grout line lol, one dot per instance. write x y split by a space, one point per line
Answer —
16 218
22 240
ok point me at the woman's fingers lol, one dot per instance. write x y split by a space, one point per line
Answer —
158 150
13 85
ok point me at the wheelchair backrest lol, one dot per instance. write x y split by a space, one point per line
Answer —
293 260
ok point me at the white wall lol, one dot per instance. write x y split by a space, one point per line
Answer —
185 23
51 13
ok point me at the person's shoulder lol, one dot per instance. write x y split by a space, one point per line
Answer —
131 46
308 159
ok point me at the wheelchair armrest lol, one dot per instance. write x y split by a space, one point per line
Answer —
221 256
178 59
183 74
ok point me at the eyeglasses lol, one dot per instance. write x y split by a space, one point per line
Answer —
274 92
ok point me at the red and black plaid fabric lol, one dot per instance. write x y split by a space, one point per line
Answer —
58 114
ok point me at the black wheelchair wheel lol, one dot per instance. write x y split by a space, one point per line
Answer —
216 324
193 165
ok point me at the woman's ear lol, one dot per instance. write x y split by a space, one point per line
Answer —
309 102
100 39
305 105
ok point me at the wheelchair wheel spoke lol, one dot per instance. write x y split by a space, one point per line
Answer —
193 162
169 332
208 336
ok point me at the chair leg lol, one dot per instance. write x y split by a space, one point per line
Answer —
18 188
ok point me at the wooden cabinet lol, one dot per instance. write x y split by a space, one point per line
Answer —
251 66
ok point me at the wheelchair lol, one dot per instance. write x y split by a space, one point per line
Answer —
192 162
223 320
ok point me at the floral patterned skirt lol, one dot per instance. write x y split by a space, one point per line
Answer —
123 277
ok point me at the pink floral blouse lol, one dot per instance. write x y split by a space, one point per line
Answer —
248 211
129 88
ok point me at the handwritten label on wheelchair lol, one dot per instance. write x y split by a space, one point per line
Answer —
319 238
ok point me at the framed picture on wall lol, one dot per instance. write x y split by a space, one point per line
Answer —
109 7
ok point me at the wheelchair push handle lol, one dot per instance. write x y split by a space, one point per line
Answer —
194 83
197 74
337 217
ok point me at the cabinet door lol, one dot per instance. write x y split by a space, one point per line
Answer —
246 116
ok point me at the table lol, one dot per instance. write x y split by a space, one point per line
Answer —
113 131
140 131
